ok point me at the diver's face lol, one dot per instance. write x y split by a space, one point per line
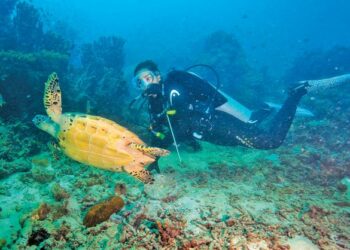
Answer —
145 78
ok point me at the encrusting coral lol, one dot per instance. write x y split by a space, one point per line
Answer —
59 193
102 211
42 212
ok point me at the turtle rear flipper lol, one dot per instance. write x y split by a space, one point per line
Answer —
150 150
143 175
52 98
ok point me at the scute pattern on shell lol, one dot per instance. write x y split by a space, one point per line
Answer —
102 143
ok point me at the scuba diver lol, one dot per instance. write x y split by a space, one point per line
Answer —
185 108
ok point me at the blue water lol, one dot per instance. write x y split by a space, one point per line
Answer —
273 33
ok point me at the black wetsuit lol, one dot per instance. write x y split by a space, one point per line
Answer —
195 101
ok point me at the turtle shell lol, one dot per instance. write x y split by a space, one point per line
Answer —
101 143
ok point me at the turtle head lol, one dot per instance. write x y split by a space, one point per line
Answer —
44 123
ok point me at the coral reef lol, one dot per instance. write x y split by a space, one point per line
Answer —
8 168
168 232
99 84
120 189
41 213
244 199
30 70
59 193
42 170
105 52
16 145
37 237
28 53
102 211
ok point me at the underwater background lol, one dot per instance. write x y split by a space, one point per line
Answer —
294 197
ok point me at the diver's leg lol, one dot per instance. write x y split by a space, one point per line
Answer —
274 136
282 121
255 137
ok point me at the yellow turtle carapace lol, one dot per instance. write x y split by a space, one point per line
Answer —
94 140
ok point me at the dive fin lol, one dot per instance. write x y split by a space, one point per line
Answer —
299 112
312 85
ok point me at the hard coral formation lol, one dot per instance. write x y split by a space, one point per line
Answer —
169 232
105 52
8 168
42 212
120 189
59 193
16 145
2 243
37 237
102 211
25 72
42 170
28 53
100 83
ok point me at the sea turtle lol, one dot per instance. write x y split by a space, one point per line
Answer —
94 140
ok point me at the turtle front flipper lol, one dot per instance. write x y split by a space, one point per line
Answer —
141 174
52 98
150 150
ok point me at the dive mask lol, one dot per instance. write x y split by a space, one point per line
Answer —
143 79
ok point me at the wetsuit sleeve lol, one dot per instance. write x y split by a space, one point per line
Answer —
158 123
